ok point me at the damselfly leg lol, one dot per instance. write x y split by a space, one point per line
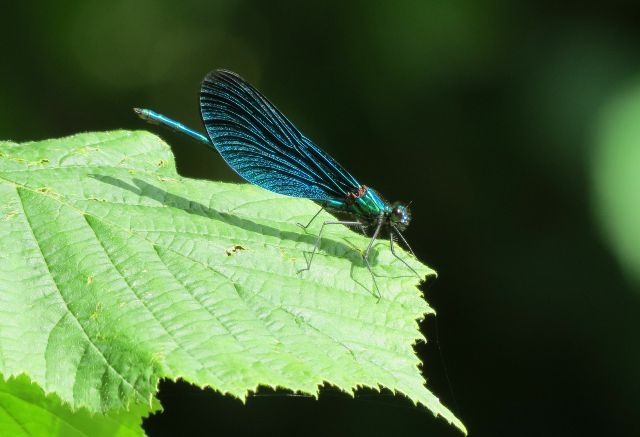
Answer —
310 221
319 237
365 256
393 250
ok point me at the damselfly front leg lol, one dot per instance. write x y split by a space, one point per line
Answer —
397 231
393 251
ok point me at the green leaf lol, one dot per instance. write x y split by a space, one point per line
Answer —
116 272
26 411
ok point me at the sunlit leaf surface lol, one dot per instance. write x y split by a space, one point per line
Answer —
116 272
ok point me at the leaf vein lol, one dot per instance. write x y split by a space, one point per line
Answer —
66 304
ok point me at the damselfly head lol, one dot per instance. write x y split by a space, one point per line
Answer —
400 215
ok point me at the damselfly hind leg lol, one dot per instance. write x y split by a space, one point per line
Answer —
310 221
319 237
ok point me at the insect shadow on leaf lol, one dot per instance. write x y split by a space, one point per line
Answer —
142 188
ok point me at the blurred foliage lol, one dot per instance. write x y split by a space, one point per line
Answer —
616 167
484 113
26 410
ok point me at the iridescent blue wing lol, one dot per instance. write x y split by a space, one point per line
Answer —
265 148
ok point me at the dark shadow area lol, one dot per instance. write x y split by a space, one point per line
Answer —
270 413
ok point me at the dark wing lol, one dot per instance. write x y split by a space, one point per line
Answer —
265 148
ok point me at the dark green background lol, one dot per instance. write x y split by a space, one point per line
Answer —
483 113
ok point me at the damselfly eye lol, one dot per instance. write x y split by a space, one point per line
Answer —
400 215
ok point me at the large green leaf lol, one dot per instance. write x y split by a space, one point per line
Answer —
115 272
